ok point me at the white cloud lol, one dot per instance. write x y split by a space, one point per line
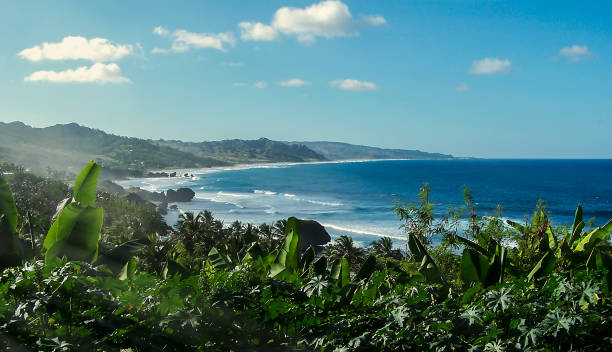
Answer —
490 66
159 30
260 85
326 19
294 82
352 84
159 51
97 73
78 48
575 53
239 84
183 40
257 31
374 20
463 87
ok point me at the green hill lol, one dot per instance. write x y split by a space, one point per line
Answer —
345 151
247 151
68 147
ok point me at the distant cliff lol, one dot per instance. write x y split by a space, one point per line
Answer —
345 151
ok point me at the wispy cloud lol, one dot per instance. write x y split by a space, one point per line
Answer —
78 48
183 40
97 73
576 53
325 19
159 30
257 31
353 84
294 83
373 20
490 66
239 84
463 87
260 85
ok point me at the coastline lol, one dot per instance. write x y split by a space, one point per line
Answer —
244 166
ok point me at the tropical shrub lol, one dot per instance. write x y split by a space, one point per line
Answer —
204 286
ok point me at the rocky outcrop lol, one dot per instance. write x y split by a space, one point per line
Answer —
171 196
158 174
147 195
313 234
180 195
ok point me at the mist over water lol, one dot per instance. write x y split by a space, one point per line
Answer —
357 198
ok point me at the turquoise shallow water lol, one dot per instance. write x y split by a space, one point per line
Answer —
357 198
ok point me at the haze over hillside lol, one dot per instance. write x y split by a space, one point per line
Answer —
67 147
344 151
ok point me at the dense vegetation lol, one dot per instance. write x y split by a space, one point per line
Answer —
241 151
68 147
344 151
110 275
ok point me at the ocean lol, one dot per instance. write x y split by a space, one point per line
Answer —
357 198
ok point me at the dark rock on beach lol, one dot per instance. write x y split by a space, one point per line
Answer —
313 234
180 195
158 174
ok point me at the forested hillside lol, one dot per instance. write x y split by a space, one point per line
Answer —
247 151
344 151
66 147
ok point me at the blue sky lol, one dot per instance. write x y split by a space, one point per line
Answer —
471 78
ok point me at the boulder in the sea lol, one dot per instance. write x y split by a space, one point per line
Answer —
146 195
313 234
180 195
173 174
157 174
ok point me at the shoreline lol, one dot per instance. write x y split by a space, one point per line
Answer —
245 166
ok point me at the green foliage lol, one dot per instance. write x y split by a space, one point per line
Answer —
76 230
592 238
36 199
344 247
425 263
341 272
210 287
287 261
384 248
85 185
8 210
12 249
480 265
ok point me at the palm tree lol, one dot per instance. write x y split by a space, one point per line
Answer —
190 229
384 248
279 227
189 222
345 247
269 239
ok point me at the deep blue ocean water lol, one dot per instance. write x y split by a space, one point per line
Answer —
357 198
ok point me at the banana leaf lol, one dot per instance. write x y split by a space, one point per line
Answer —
544 267
85 185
